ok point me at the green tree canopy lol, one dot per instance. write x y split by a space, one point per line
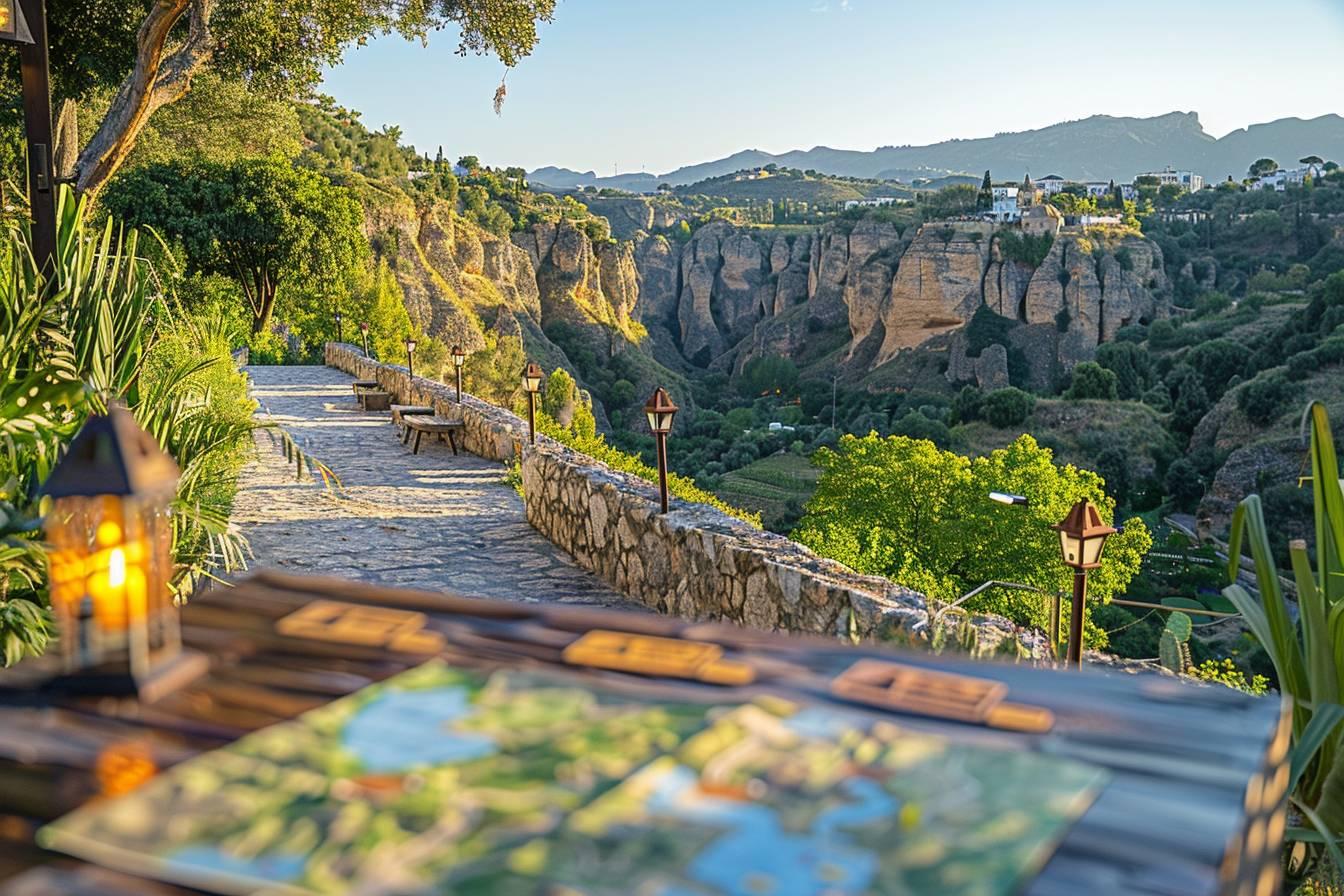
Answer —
1261 167
1132 366
905 509
264 223
768 374
146 52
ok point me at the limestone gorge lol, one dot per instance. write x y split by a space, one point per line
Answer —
855 293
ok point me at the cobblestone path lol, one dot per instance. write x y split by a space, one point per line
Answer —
431 521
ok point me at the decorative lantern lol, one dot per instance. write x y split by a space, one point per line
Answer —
1082 536
111 557
532 377
459 359
659 410
13 26
410 355
339 337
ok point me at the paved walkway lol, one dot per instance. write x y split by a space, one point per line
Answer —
431 521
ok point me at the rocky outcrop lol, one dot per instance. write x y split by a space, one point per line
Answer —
628 215
578 283
1091 286
937 286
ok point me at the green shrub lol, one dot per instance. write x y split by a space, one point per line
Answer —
1264 399
1003 408
1092 381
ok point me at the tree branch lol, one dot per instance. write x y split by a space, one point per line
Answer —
158 78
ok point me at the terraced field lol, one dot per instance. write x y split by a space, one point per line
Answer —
776 486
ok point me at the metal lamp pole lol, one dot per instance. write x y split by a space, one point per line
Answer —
364 334
410 356
339 335
532 383
1082 536
659 410
459 358
26 28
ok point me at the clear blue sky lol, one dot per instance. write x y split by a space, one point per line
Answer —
633 85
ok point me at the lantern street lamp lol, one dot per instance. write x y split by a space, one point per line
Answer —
410 356
660 410
532 383
338 327
459 359
111 562
23 24
364 334
1082 536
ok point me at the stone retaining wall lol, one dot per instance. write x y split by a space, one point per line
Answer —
695 561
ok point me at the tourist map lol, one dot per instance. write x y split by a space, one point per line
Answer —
444 780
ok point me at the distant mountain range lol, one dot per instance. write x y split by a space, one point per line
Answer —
1101 147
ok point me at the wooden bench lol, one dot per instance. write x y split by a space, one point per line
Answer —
360 385
373 400
442 426
408 410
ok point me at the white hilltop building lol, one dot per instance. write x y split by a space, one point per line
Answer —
1189 180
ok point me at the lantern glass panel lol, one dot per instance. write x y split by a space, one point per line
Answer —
111 566
1071 547
1092 548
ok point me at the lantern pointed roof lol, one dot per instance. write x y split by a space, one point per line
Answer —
1084 521
112 455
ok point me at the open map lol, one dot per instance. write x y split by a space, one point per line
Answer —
448 781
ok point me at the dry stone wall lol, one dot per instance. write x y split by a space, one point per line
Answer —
695 561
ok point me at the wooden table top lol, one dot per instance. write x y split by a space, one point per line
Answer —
1190 809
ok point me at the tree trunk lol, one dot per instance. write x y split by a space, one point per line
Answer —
158 78
265 305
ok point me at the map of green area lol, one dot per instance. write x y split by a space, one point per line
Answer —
448 781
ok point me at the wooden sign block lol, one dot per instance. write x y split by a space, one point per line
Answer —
942 695
346 623
657 657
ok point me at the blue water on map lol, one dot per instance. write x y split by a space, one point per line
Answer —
755 848
208 857
402 730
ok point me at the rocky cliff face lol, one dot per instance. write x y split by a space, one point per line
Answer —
728 293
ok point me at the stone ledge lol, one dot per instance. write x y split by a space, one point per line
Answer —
695 562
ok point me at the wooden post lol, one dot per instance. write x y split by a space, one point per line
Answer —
34 70
662 469
1075 656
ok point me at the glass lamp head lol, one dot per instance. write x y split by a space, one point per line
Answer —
532 377
659 411
1082 536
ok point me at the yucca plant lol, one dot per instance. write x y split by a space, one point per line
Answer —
99 328
1308 654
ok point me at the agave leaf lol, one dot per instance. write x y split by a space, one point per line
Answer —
1320 664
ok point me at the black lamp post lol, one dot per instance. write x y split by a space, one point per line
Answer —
1082 536
660 410
532 383
364 334
339 337
459 359
410 356
23 23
